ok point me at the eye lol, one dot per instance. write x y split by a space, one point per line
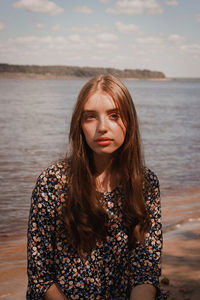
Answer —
114 116
89 117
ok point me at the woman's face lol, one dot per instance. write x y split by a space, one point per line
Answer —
102 125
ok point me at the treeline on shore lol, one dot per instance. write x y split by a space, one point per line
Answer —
76 72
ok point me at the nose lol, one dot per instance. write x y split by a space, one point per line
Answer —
102 124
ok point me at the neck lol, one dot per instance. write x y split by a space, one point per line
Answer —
106 179
102 164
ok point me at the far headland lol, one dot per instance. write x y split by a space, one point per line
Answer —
48 72
76 72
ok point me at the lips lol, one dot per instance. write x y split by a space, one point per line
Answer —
103 141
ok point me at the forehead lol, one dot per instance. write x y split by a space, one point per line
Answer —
99 100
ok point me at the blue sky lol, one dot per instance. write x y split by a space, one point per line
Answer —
159 35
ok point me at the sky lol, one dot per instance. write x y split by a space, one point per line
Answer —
160 35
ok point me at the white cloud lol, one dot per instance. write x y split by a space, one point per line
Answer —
197 17
136 7
25 40
29 41
126 28
83 10
106 46
40 6
2 26
75 38
58 49
104 1
153 41
176 39
56 27
87 30
45 50
71 42
40 26
107 37
193 49
171 2
147 46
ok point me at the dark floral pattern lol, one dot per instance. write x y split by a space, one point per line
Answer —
112 269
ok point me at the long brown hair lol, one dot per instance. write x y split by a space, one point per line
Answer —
86 219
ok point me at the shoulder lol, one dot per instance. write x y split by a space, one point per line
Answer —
51 188
55 177
55 171
150 177
151 187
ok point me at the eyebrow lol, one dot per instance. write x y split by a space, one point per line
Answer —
113 110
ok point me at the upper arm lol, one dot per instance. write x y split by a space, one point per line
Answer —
41 228
146 259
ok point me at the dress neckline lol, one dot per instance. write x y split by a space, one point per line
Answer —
106 193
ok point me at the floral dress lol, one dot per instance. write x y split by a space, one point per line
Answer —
112 269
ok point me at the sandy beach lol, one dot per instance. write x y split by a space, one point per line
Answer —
180 260
181 264
13 279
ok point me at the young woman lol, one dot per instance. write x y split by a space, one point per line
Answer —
95 223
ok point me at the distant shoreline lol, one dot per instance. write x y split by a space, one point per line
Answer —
49 76
10 71
72 72
53 77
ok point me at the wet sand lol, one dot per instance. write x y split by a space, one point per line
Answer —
180 264
13 280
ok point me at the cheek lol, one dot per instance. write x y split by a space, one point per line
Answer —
87 131
122 137
121 132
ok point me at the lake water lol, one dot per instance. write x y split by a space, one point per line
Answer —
34 122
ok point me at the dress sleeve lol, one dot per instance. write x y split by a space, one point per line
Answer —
40 251
146 260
